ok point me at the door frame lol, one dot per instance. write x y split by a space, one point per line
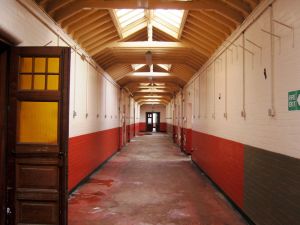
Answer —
4 48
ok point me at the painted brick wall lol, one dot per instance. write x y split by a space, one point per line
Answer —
187 142
142 126
87 152
163 127
223 161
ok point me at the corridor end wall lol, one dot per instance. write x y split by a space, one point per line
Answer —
153 108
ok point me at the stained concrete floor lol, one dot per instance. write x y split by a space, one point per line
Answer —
150 182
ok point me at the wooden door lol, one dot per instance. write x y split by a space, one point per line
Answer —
149 121
38 135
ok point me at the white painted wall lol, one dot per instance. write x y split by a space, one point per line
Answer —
277 134
154 108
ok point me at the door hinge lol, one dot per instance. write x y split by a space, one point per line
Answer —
8 211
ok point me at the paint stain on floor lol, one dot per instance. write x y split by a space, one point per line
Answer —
150 182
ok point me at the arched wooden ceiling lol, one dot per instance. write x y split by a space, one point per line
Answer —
94 25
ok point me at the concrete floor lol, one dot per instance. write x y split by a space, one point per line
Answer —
150 182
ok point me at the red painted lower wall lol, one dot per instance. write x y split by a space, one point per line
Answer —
142 126
170 129
163 127
137 128
187 143
130 132
223 161
87 152
121 138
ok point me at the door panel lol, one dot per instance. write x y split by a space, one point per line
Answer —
38 135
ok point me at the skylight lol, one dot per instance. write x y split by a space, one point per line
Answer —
171 16
166 67
130 16
166 20
136 67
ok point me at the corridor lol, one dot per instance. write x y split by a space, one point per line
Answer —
150 182
82 81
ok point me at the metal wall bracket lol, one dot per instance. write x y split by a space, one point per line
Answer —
257 46
250 52
273 35
289 27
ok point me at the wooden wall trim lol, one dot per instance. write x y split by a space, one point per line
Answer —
3 96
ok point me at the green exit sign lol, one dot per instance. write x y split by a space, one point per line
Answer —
294 100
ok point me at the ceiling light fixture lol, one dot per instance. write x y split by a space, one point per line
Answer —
148 56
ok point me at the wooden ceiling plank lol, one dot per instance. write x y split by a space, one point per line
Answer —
86 20
135 29
221 20
195 36
241 6
208 28
201 46
42 3
252 3
100 39
73 19
213 42
103 42
98 36
209 33
91 29
210 22
163 34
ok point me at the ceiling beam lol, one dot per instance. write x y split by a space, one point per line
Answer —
216 5
55 5
139 45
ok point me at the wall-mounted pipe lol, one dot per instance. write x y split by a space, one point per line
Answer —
271 111
214 88
206 93
199 100
243 112
226 83
86 90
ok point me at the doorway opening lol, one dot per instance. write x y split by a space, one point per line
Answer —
153 121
